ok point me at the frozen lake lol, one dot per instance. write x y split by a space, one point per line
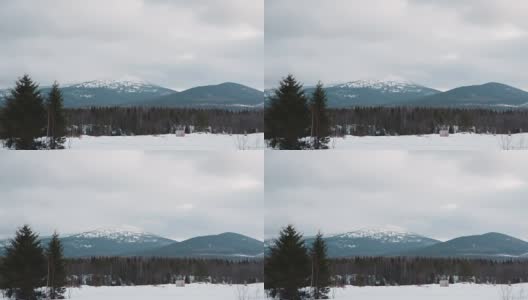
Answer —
453 292
194 141
195 291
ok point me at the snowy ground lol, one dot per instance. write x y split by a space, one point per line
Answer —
453 292
195 291
194 141
459 141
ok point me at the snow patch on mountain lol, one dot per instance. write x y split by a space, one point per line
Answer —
384 235
120 235
120 86
384 86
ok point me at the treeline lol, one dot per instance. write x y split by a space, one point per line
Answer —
98 121
98 271
416 120
362 271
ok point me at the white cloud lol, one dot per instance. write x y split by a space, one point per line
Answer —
442 195
175 194
442 44
177 44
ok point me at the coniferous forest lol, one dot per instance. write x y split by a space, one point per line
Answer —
106 271
370 271
420 120
98 121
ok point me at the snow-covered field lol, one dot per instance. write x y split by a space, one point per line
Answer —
195 291
194 141
458 141
453 292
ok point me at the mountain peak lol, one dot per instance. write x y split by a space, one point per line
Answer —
390 85
121 232
391 234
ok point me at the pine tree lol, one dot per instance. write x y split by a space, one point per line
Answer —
287 268
24 116
56 130
56 269
320 122
24 267
287 117
320 268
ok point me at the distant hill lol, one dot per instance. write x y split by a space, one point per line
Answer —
489 245
101 93
221 245
227 94
492 94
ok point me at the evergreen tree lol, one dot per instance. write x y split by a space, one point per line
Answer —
320 130
287 116
320 268
287 268
56 269
24 116
24 267
56 130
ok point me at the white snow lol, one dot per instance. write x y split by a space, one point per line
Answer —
194 291
458 141
122 235
124 85
193 141
386 235
388 86
457 291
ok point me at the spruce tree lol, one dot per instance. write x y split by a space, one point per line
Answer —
287 117
56 130
287 268
56 269
320 269
320 130
24 116
24 267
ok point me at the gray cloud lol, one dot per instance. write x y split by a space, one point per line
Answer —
178 44
442 195
442 44
175 194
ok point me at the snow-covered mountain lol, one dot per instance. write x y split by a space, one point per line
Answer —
370 92
110 92
374 92
110 241
370 242
374 241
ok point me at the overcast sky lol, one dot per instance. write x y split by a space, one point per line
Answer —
438 43
441 195
174 43
174 194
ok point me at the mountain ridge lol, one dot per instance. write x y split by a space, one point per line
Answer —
127 93
131 242
394 93
396 243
